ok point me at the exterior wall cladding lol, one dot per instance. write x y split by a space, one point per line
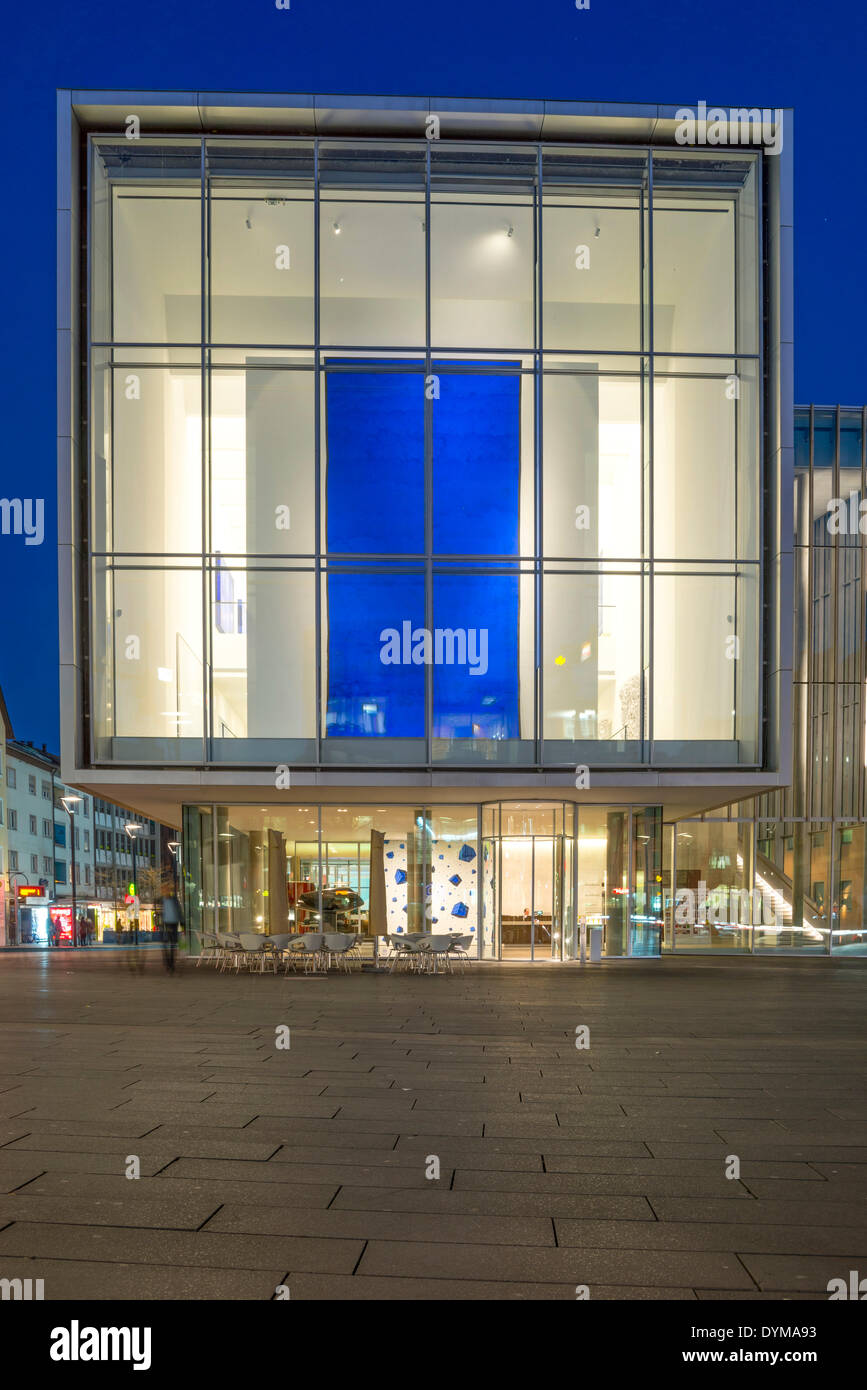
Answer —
432 463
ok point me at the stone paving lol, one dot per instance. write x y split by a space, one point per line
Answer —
558 1166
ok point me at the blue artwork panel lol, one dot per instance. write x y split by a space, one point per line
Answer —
477 464
478 699
367 699
375 469
375 506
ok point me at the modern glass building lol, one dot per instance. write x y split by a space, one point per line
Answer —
425 495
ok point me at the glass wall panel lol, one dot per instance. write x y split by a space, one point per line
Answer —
482 268
591 461
198 874
705 253
715 905
850 891
263 461
591 851
261 265
373 668
147 254
705 674
646 918
482 667
482 431
263 663
146 495
591 271
616 933
373 478
147 645
705 465
591 664
795 888
372 272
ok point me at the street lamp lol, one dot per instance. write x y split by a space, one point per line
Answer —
14 909
69 803
132 828
175 850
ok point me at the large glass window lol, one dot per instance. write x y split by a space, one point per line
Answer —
263 460
592 229
147 643
147 228
592 465
704 666
387 400
592 665
261 240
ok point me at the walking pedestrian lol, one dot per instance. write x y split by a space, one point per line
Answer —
173 918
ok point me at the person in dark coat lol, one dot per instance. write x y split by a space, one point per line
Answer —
173 918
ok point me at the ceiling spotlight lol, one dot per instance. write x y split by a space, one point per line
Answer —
510 230
598 231
335 227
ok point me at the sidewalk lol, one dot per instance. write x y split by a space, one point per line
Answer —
433 1137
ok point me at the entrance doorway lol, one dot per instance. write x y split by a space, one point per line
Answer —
552 872
530 925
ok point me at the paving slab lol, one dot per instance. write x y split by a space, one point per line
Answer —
557 1167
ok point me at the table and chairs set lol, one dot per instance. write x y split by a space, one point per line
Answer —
317 952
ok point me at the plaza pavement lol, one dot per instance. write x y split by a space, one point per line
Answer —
307 1167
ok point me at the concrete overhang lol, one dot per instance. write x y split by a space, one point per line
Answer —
161 795
465 118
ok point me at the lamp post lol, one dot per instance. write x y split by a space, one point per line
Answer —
69 803
14 904
132 828
175 850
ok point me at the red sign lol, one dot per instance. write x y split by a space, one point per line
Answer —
30 890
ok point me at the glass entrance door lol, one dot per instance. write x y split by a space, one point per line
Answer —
531 897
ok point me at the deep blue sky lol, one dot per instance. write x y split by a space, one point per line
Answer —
801 54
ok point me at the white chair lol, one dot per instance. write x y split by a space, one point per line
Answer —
459 950
436 954
336 946
306 948
251 954
230 951
210 951
408 952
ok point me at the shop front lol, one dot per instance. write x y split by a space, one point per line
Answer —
526 880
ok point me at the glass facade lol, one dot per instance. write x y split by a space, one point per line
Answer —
424 454
806 844
525 881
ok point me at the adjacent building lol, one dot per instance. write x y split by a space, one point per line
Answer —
41 819
426 509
